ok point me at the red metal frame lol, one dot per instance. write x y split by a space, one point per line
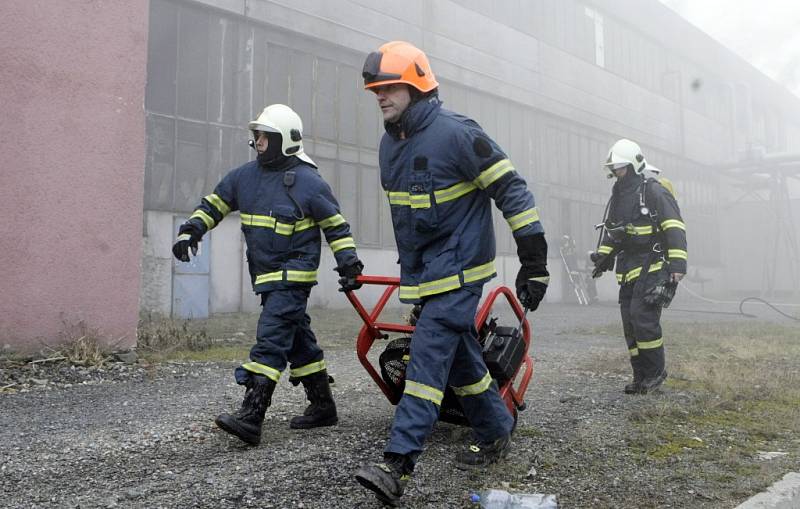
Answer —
373 329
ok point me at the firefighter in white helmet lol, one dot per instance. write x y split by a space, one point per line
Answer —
645 234
284 206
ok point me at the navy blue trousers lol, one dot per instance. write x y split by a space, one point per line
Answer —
641 323
445 350
283 336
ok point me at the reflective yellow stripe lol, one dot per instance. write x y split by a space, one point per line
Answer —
446 284
308 369
638 230
474 389
439 286
677 253
605 249
301 276
423 391
343 243
262 369
399 198
423 201
493 172
305 224
479 272
296 276
420 201
270 276
330 222
545 280
409 292
633 274
284 228
270 222
523 218
649 345
184 236
633 351
208 220
256 220
673 223
453 192
219 203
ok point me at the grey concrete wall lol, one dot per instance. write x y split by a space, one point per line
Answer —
532 76
72 146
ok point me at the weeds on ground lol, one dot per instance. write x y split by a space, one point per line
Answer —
214 339
162 336
734 390
78 344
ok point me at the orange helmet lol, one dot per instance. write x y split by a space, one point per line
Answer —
399 62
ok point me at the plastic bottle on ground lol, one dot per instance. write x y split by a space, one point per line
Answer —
501 499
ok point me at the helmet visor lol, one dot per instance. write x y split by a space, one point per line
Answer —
255 126
372 70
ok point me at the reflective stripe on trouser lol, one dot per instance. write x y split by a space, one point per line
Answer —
283 335
641 323
445 350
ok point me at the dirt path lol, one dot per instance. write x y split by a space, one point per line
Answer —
144 437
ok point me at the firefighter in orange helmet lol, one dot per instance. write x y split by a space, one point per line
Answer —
441 171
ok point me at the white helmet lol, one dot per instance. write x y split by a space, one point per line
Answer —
625 152
279 118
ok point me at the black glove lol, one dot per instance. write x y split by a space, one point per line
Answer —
602 263
186 240
533 277
661 294
413 318
531 288
348 274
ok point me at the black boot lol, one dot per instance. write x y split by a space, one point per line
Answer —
651 383
322 410
480 454
388 479
246 422
638 375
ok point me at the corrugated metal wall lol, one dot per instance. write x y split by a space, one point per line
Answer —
555 83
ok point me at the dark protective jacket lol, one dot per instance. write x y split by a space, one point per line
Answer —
650 232
282 232
439 171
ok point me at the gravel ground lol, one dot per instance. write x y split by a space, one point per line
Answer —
136 435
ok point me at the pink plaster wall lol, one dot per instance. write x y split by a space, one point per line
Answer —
72 148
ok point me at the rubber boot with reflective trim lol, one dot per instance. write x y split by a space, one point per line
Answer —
388 479
246 422
638 375
479 455
322 410
651 383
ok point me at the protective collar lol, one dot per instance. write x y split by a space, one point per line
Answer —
416 117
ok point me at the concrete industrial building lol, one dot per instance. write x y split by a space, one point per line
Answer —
555 82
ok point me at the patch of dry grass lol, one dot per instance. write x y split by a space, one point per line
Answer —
159 336
77 344
738 362
740 387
